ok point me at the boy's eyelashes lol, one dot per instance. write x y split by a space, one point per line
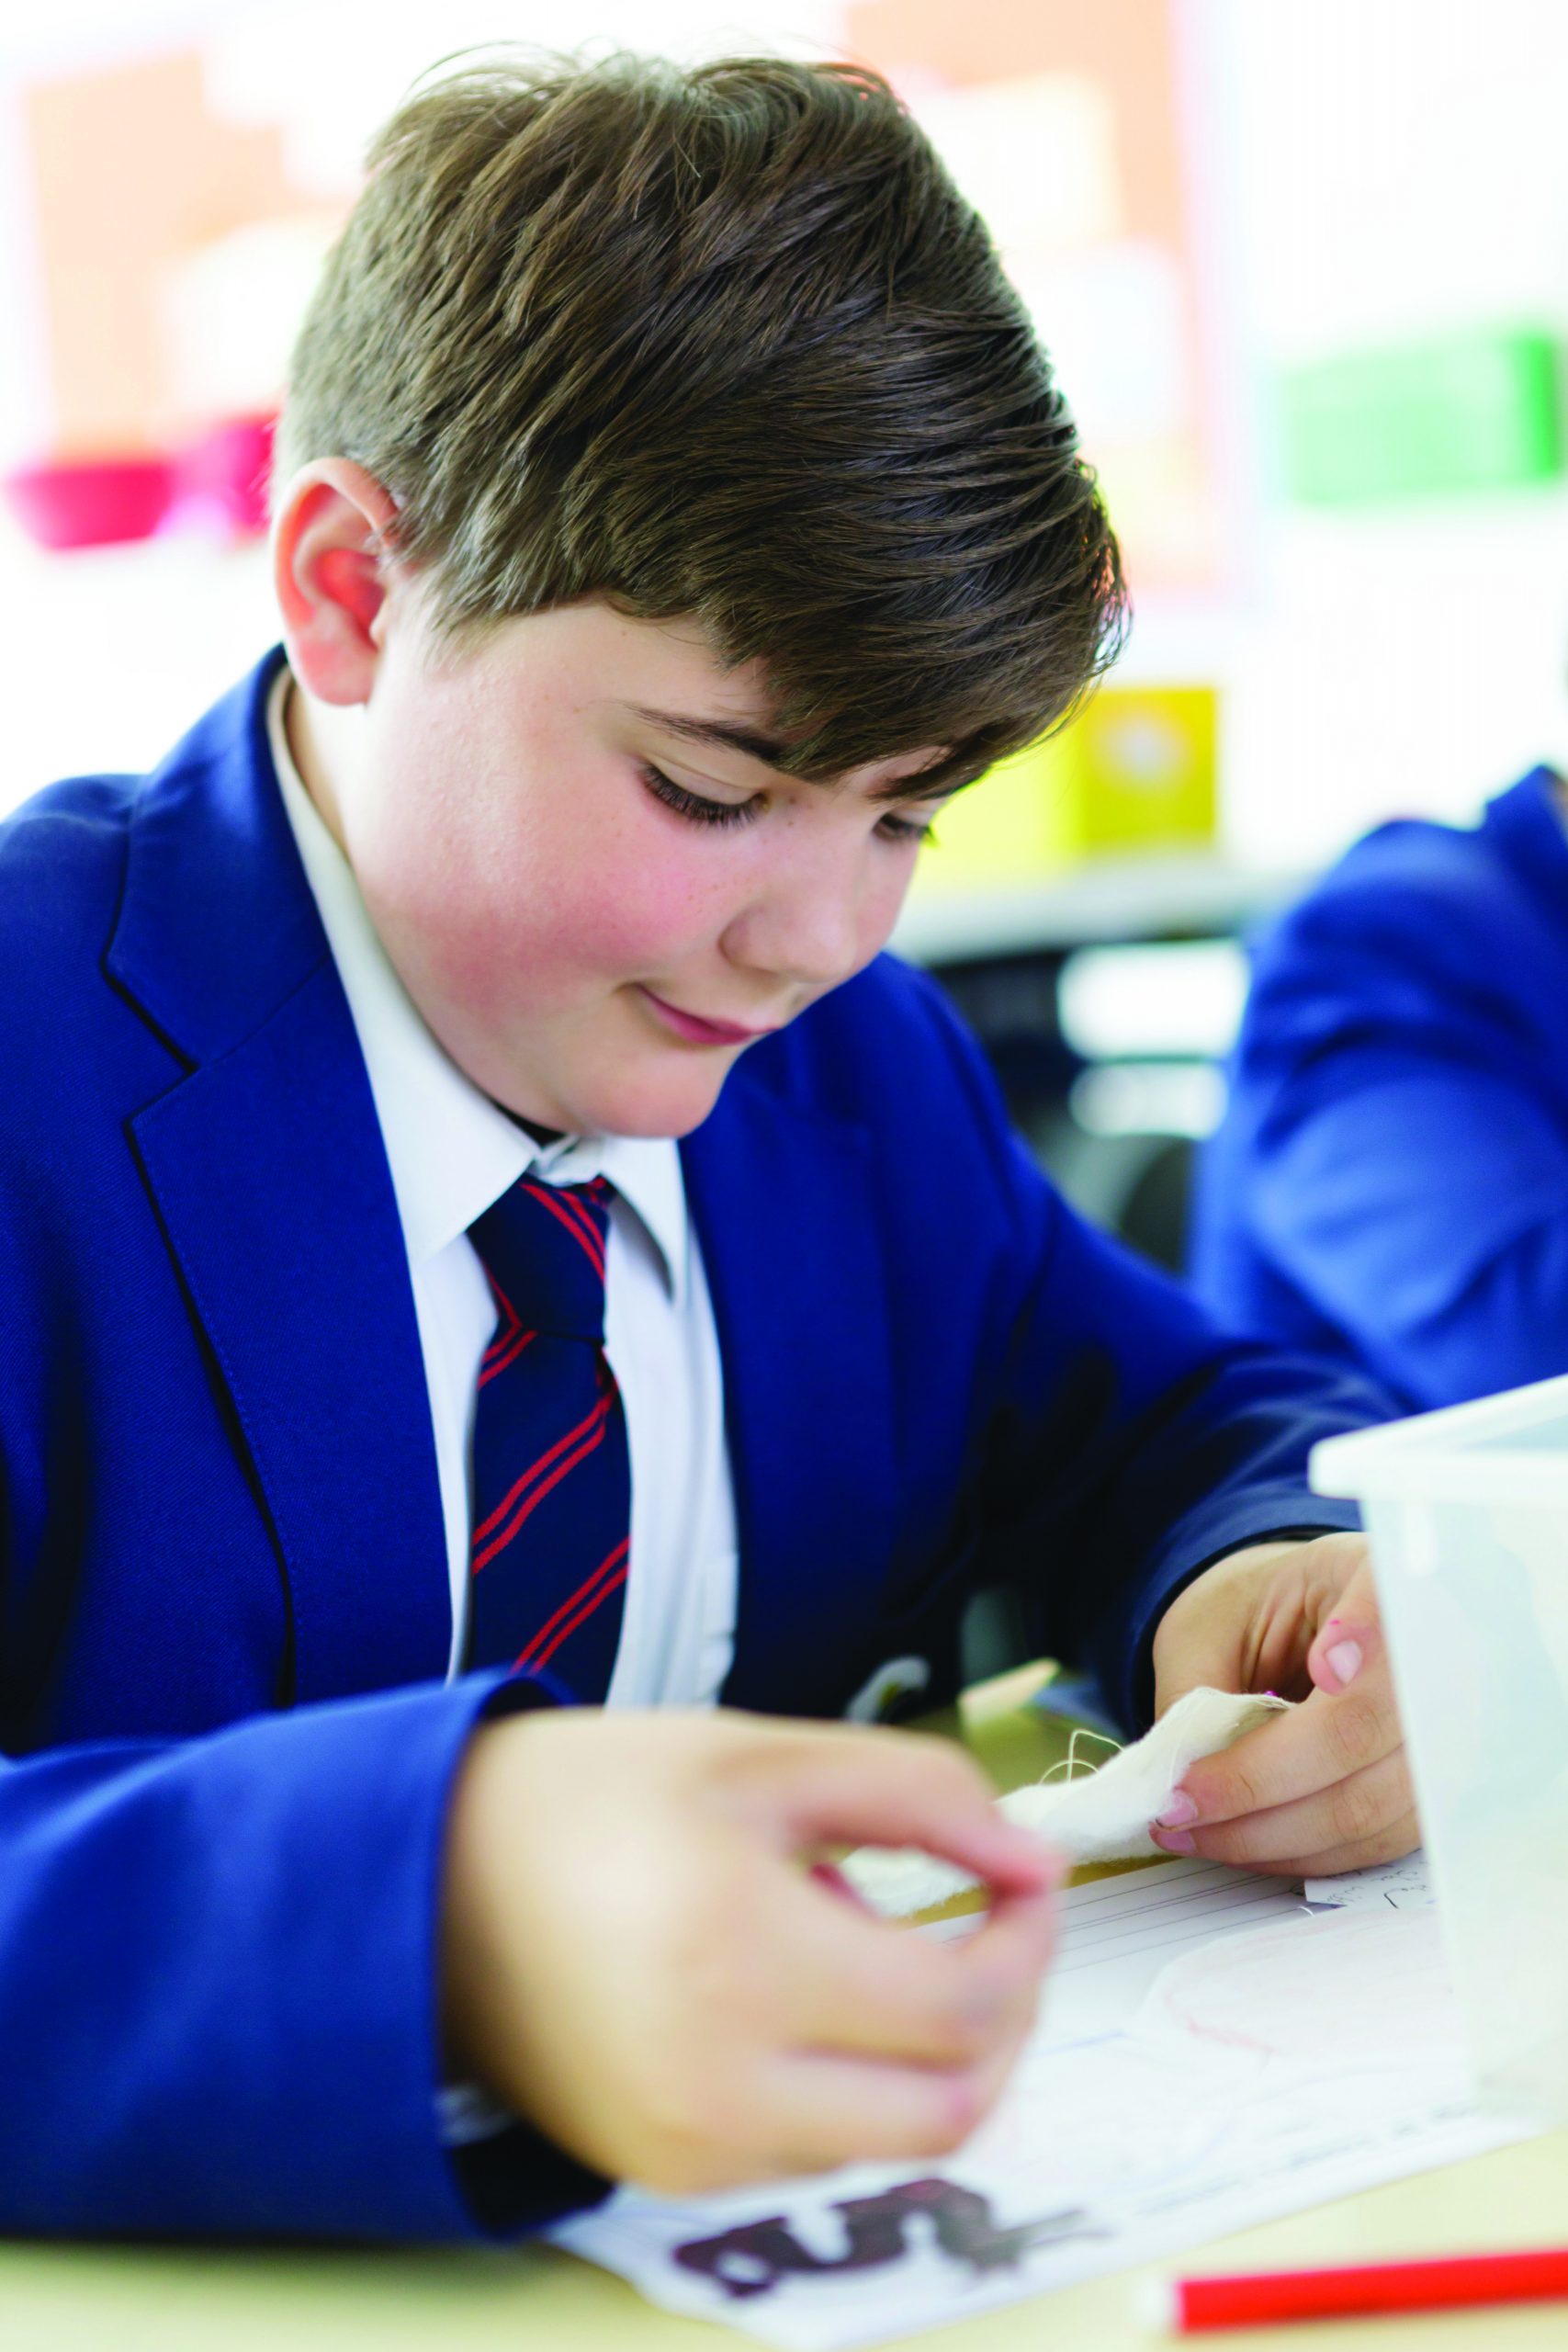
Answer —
692 806
700 811
906 829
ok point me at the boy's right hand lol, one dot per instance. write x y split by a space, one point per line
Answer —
637 1961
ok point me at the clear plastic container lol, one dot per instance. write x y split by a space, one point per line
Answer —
1467 1513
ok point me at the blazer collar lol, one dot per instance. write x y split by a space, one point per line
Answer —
216 926
267 1171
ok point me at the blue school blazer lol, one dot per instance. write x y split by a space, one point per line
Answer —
1390 1186
227 1745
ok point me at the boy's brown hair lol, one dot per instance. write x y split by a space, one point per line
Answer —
726 343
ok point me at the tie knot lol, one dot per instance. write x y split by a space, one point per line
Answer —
543 1248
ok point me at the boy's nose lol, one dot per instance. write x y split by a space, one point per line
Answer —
808 926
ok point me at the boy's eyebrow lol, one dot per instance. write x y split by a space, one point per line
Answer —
731 737
767 750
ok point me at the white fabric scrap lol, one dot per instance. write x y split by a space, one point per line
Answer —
1103 1816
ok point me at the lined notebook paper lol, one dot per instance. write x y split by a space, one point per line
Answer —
1210 2054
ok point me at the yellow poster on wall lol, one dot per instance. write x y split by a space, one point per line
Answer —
1134 772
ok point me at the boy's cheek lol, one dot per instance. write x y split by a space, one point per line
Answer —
642 924
534 964
505 929
881 905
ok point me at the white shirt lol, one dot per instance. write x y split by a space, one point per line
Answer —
452 1153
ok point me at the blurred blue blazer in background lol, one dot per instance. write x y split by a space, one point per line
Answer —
1389 1184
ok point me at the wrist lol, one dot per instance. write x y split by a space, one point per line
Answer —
489 1797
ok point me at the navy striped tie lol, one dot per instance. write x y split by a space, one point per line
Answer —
552 1475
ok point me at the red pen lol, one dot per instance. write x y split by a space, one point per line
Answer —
1260 2298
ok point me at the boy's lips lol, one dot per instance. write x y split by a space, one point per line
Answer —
700 1031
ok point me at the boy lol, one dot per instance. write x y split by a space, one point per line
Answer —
673 507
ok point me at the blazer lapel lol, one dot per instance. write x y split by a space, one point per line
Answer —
267 1169
785 1212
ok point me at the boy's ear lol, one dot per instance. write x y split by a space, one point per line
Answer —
331 542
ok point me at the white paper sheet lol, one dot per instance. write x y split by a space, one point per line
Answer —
1209 2055
1397 1886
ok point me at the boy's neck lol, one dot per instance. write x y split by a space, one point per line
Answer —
318 738
545 1137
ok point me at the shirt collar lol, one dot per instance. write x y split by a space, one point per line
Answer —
451 1150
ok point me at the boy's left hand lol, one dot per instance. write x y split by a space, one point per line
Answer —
1327 1787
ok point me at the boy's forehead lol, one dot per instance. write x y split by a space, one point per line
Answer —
730 708
668 675
684 672
607 656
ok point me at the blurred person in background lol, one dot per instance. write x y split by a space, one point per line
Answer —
1390 1183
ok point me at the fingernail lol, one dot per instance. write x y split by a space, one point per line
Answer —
1179 1811
1175 1841
1345 1659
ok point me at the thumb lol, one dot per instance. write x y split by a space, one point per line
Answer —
1349 1640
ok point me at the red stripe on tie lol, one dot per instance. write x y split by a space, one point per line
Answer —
499 1513
512 1320
586 1235
530 1502
526 1509
577 1608
568 1197
582 1615
567 1206
601 1406
515 1341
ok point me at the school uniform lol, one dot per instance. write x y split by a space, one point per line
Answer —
1389 1184
231 1433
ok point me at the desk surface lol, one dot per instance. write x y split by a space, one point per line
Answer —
55 2299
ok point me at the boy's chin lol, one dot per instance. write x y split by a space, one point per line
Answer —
669 1102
